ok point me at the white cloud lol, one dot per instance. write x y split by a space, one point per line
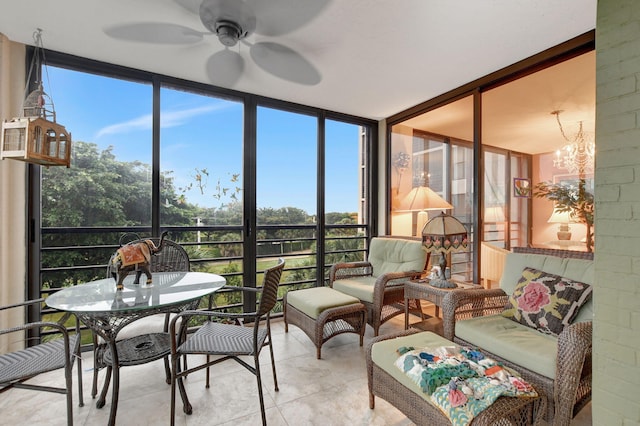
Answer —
167 119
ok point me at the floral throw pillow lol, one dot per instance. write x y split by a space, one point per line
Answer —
545 301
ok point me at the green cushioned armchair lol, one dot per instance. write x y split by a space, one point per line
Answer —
379 281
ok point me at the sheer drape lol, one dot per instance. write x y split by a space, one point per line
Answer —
13 187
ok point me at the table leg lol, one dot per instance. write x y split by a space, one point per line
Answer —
112 370
105 387
406 313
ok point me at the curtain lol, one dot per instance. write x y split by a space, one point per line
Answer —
13 205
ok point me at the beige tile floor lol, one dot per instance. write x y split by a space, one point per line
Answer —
330 391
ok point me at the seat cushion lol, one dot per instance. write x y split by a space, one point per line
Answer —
384 354
546 302
145 325
360 287
35 359
223 339
312 301
512 341
396 255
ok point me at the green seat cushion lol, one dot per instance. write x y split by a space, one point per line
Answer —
384 355
360 287
396 255
512 341
312 301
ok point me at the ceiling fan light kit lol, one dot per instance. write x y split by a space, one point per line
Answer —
229 33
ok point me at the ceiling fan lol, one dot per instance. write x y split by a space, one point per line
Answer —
233 22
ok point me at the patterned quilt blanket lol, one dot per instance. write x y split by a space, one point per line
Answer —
461 382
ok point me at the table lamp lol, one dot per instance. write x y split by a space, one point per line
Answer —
564 219
444 234
422 198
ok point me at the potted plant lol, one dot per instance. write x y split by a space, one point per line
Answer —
571 197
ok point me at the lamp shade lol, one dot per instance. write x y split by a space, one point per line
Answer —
444 233
423 198
494 214
564 219
560 217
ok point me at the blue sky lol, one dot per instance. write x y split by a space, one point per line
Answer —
199 132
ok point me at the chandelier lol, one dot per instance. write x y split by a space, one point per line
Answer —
577 155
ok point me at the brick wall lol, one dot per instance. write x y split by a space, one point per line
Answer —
616 395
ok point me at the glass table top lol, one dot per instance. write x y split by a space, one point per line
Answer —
168 288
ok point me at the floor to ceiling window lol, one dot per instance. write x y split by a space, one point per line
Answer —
346 185
286 191
529 129
153 154
109 183
432 172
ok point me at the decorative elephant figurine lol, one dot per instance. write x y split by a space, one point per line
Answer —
134 256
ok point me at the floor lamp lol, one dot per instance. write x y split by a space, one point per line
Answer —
421 199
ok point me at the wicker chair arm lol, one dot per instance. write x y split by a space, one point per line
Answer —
574 346
391 336
461 304
211 314
349 269
40 324
59 325
392 279
234 288
25 303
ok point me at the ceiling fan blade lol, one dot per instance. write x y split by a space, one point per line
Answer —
192 6
285 63
154 32
278 17
225 68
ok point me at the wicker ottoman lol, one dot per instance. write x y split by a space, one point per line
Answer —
322 312
406 396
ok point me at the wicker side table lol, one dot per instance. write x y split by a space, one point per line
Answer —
330 322
421 290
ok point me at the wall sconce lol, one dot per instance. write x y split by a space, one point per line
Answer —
35 137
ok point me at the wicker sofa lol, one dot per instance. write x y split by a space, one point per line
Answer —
560 365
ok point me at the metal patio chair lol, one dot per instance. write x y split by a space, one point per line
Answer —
227 340
17 367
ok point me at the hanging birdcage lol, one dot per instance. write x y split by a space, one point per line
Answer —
35 137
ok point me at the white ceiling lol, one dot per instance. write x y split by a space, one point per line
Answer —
375 57
517 116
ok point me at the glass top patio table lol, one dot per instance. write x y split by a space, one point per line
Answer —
106 310
168 288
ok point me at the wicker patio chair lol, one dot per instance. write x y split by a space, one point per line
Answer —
227 340
379 281
172 258
19 366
